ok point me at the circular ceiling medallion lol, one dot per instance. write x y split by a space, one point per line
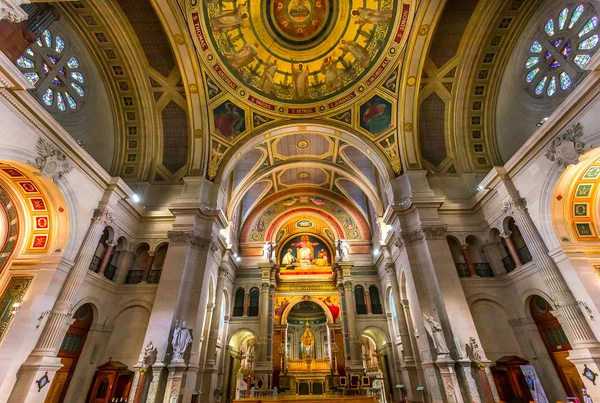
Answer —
302 144
301 51
303 175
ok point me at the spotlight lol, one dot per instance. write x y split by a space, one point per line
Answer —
136 198
541 122
237 259
375 252
480 188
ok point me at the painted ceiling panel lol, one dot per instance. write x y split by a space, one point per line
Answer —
253 194
360 161
245 165
175 137
431 129
303 176
303 145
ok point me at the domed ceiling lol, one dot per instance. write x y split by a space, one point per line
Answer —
299 57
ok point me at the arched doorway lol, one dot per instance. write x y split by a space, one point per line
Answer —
557 344
377 361
69 353
241 353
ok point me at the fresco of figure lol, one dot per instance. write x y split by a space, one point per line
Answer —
332 74
268 78
230 20
370 16
360 53
244 56
300 76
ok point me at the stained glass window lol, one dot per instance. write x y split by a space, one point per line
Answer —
576 15
557 57
55 72
48 96
589 43
32 77
562 18
551 87
536 47
565 80
549 28
60 103
591 24
25 63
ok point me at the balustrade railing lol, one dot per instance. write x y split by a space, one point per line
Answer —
462 269
509 264
134 276
110 272
154 276
95 264
483 270
524 254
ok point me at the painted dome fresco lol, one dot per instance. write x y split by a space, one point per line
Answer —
316 54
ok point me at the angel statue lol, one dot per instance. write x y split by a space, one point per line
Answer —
435 331
181 340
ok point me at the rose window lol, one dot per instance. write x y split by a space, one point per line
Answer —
563 47
52 68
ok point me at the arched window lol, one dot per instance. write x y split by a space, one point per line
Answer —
253 306
376 307
561 49
394 313
53 68
238 305
359 299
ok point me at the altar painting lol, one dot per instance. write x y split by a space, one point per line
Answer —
304 251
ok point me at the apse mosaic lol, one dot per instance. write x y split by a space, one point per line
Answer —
300 52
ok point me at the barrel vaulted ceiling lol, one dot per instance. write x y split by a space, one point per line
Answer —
267 97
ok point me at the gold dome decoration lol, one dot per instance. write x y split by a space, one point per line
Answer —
292 54
302 144
412 80
193 88
408 127
424 30
303 175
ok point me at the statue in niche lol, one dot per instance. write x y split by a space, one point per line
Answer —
435 331
308 343
180 341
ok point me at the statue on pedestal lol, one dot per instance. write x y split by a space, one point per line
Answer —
435 331
150 353
181 340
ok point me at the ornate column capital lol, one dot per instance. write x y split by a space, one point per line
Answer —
10 10
566 148
413 238
505 234
435 231
178 238
390 269
348 285
399 242
464 246
511 206
103 216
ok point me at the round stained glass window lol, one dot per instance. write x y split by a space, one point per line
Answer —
563 46
51 66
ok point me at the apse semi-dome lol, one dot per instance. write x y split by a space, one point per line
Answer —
316 54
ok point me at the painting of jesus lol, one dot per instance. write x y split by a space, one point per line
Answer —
305 250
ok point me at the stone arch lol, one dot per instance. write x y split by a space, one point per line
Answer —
244 332
109 321
328 313
473 299
379 336
93 303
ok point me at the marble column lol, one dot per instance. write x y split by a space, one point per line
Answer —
355 347
107 256
464 249
148 267
512 249
263 367
408 363
43 357
586 349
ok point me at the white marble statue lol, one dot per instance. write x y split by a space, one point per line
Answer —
473 351
181 340
150 353
268 250
435 331
342 249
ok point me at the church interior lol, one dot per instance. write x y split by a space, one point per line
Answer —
361 201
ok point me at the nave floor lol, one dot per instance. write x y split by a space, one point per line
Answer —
310 399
